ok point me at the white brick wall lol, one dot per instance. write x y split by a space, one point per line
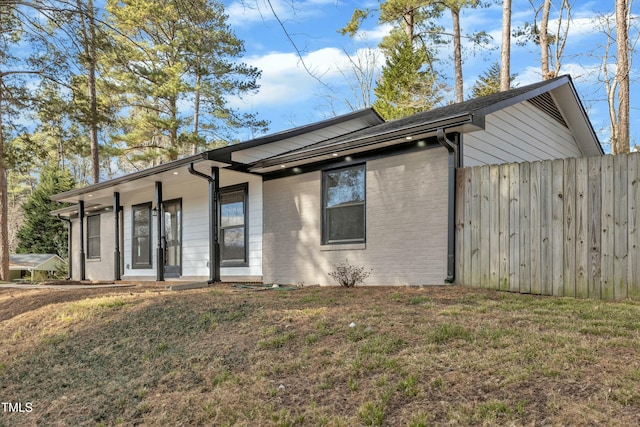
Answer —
406 225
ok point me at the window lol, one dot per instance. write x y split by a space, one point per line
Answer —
93 236
141 236
233 223
343 203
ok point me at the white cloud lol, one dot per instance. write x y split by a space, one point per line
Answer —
245 13
373 36
285 81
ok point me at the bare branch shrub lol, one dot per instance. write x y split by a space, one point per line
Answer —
349 275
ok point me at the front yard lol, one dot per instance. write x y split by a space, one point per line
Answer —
316 356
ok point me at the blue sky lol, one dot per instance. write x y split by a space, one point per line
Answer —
290 97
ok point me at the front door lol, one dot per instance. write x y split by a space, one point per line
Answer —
172 211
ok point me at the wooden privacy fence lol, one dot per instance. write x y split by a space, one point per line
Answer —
566 227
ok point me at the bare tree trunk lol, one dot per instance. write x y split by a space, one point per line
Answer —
505 53
622 77
409 24
174 149
196 111
544 40
4 204
93 101
457 54
88 34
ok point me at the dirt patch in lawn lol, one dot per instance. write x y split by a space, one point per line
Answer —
317 356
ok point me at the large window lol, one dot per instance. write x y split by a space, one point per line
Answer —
93 237
233 226
343 202
141 236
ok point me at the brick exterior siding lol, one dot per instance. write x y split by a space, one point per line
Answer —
406 225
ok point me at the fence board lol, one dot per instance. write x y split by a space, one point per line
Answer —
546 254
569 270
633 227
474 210
556 232
620 211
535 205
594 232
582 226
525 229
607 242
460 223
494 227
468 242
485 230
504 228
514 227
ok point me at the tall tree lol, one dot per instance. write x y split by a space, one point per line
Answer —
405 87
544 40
505 51
620 143
409 42
551 41
214 73
168 52
88 59
611 72
361 77
455 7
13 29
41 232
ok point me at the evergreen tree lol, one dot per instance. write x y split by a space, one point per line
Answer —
167 53
405 86
41 232
408 81
489 82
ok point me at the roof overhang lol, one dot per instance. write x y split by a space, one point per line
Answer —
102 193
577 120
379 137
302 137
100 196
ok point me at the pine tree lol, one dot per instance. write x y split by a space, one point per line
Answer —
489 82
405 87
41 232
167 52
505 50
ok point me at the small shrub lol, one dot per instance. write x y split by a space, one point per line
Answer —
349 275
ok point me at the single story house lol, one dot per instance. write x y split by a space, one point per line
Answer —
288 207
34 266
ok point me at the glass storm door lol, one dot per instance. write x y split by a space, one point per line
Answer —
172 211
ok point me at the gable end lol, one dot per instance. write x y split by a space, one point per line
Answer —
544 102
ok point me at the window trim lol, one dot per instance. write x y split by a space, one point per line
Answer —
324 226
244 187
134 265
90 255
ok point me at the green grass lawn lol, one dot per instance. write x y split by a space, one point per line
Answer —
317 356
